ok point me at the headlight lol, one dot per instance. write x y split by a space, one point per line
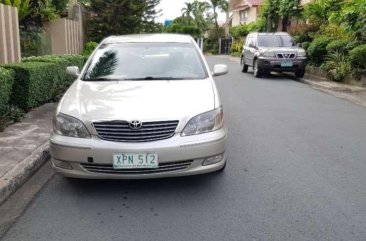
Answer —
206 122
301 53
69 126
267 54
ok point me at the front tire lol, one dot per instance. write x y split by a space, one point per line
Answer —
300 73
256 70
244 66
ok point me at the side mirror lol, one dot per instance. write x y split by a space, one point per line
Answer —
220 69
73 71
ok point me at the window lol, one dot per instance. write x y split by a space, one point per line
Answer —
275 41
146 61
243 16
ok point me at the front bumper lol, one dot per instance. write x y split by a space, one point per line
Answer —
78 153
274 64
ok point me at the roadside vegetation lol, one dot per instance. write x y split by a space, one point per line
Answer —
333 32
199 19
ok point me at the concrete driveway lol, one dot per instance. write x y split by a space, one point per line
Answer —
296 171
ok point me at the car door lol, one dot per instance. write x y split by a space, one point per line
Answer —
249 50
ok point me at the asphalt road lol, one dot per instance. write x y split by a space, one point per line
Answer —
296 171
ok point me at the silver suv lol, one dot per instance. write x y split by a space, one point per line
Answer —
267 52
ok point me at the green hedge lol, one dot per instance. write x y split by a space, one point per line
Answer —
35 83
338 45
64 60
6 85
317 50
358 57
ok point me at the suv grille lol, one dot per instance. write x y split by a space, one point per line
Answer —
163 167
120 131
286 56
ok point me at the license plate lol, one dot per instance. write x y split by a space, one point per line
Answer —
135 161
287 64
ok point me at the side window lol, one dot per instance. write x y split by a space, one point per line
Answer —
249 41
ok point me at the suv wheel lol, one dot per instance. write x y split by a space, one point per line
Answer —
300 73
244 66
256 70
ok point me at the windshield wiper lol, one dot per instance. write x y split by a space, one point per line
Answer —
153 78
101 79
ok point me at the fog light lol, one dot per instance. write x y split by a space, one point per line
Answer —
213 160
62 164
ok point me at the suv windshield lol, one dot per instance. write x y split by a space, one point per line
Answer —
275 41
145 61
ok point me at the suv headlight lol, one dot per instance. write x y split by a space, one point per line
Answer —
205 122
69 126
267 54
301 53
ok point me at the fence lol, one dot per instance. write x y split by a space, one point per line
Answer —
9 35
67 34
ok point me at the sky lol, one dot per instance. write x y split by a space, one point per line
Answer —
172 9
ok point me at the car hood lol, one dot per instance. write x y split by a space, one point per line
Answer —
138 100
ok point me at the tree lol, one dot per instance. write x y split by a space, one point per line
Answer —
116 17
149 15
60 5
287 10
21 5
270 13
320 11
216 6
273 11
187 10
39 11
199 9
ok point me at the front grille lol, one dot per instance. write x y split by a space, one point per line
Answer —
286 56
163 167
120 131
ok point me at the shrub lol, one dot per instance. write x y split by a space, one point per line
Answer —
62 61
333 31
303 32
317 50
65 60
305 45
244 29
89 48
353 44
6 85
34 83
337 45
237 46
337 66
358 57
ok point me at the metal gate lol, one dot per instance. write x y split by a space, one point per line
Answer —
225 45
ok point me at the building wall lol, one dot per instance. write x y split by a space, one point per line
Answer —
253 14
9 35
303 2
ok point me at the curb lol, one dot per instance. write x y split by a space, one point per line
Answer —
17 176
332 88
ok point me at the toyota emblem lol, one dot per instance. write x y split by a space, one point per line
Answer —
135 125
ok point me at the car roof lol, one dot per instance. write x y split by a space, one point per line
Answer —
275 33
149 38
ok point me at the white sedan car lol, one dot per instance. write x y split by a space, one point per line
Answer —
144 106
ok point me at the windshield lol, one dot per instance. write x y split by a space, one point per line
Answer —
145 61
275 41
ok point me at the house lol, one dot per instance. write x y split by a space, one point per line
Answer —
245 11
